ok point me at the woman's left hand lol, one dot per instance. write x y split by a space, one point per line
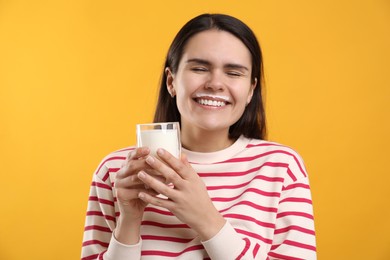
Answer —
188 200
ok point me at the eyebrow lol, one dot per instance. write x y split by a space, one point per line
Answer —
206 62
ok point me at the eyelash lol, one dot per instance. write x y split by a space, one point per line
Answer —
229 73
199 69
233 74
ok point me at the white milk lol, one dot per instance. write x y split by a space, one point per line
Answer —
158 138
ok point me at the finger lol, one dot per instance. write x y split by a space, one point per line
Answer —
138 153
128 182
156 201
168 173
156 185
125 195
135 162
178 165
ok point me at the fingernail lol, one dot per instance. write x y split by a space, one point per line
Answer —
141 175
160 151
141 195
150 159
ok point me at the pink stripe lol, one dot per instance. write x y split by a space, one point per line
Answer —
296 244
237 174
300 245
291 174
293 213
247 218
245 159
91 257
101 201
105 177
100 214
254 235
110 159
296 228
171 254
246 248
253 205
256 250
101 185
164 225
297 185
286 257
95 242
257 191
159 211
99 228
302 200
257 177
164 238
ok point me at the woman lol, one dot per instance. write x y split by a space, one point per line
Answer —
235 195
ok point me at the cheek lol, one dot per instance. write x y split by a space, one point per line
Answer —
241 95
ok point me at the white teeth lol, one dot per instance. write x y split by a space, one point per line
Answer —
208 95
213 103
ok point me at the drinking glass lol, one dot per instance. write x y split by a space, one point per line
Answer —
160 135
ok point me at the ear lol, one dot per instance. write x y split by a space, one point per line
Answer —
251 90
169 82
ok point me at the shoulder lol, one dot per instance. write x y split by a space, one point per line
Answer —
279 154
112 162
270 147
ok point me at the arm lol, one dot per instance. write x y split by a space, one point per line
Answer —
294 234
100 222
106 235
100 218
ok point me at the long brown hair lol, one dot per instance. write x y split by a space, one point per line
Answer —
252 123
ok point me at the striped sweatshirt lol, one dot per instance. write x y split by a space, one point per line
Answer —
261 188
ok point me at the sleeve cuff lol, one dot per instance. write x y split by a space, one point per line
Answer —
119 251
226 244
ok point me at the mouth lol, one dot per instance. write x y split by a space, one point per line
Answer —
211 100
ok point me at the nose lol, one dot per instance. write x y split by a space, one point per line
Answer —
215 81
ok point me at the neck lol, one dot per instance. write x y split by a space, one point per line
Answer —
205 141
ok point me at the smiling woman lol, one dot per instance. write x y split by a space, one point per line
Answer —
231 194
214 62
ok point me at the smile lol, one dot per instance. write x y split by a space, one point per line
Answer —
214 103
206 99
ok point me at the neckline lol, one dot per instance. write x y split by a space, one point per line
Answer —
217 156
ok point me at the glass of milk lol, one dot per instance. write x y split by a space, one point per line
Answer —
160 135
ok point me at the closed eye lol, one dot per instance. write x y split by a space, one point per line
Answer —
199 69
234 73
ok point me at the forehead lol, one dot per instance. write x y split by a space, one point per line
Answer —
217 46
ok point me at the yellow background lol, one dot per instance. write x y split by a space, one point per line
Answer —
76 76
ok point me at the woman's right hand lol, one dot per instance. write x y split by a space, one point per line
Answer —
128 186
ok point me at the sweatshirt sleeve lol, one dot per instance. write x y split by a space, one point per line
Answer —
228 240
98 240
293 234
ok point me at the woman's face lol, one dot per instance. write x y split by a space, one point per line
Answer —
213 81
